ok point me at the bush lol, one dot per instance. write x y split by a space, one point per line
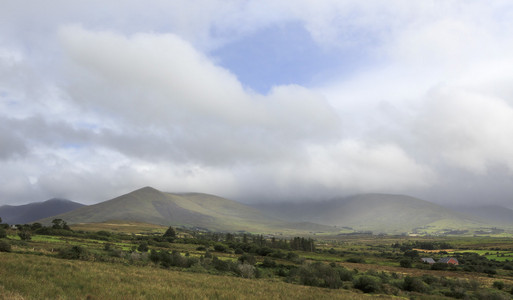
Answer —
319 274
498 285
367 284
414 284
219 248
356 260
3 233
75 252
246 270
247 259
268 263
345 274
5 246
405 263
25 235
143 247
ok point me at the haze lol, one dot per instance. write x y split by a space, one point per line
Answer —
257 100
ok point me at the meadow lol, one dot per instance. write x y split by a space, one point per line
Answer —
141 261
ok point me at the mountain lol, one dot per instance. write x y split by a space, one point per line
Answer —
493 214
194 210
374 212
31 212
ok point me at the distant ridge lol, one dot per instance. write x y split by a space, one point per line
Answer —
28 213
376 212
193 210
494 214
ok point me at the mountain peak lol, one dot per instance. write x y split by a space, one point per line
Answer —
147 189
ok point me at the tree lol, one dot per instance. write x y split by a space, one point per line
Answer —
24 235
170 233
405 263
0 219
367 284
143 247
3 233
60 224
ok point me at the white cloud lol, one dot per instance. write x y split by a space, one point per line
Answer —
132 100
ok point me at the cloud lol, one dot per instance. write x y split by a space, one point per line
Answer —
417 100
470 130
162 81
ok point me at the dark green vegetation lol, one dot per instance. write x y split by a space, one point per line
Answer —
27 213
192 210
343 266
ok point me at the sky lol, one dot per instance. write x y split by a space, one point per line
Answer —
290 100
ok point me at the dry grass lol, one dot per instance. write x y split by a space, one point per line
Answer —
41 277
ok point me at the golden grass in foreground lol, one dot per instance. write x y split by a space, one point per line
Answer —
25 276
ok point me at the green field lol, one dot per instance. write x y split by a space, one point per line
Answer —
119 260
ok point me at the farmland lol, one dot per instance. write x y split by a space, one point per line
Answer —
119 260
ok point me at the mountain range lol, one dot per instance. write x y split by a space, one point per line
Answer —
384 213
376 212
193 210
28 213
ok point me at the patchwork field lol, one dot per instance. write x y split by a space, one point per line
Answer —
140 261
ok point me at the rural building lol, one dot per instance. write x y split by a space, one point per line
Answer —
449 260
428 260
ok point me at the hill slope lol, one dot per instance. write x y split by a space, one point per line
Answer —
190 210
28 213
492 214
375 212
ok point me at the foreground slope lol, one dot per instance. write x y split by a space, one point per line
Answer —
28 213
192 210
375 212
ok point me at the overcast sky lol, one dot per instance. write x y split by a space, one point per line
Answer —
256 100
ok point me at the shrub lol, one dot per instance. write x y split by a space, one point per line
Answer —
25 235
268 263
143 247
319 274
355 260
5 246
414 284
246 270
367 284
405 263
248 259
3 233
219 248
345 274
498 285
74 252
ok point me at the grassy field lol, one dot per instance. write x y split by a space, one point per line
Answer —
109 264
40 277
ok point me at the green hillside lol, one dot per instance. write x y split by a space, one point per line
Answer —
193 210
375 212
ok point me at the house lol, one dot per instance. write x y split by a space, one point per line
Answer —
449 260
428 260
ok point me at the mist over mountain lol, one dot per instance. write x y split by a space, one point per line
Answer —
493 214
21 214
375 212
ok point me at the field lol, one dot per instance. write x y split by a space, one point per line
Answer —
138 261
